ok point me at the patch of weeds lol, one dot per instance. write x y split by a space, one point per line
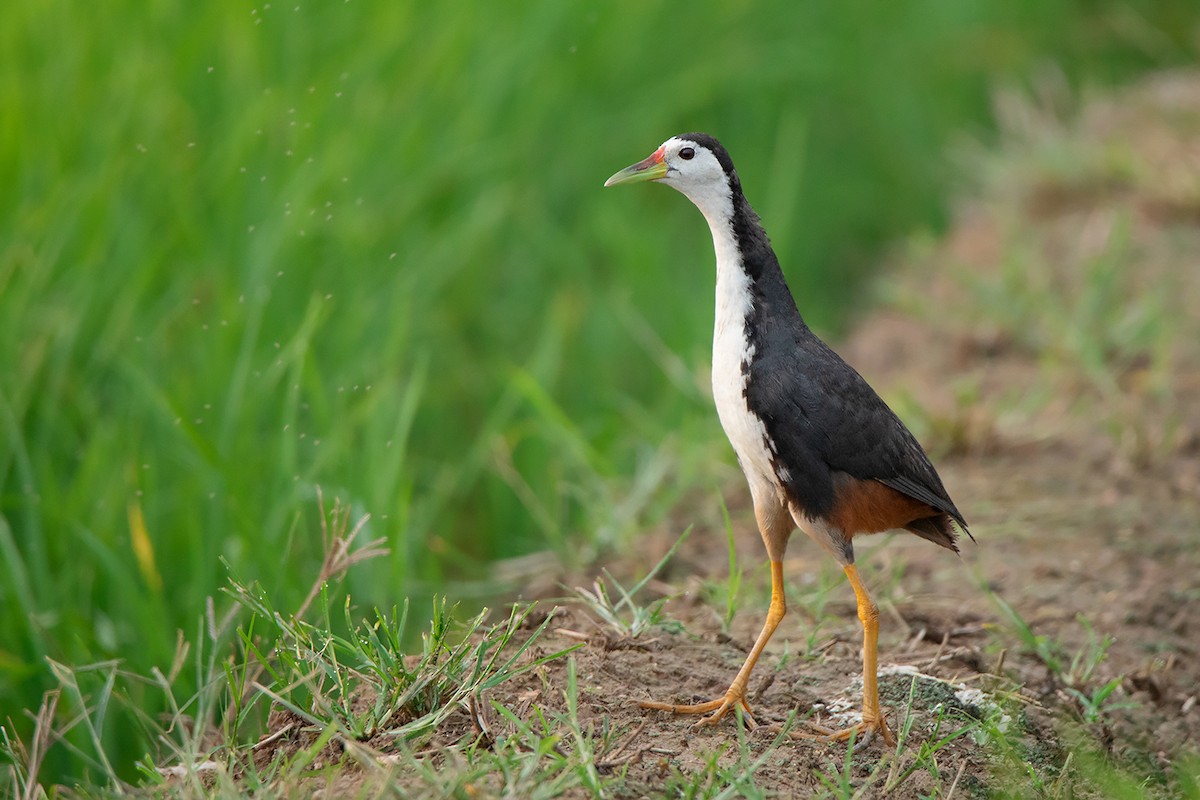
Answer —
1074 673
1021 759
953 715
1185 776
542 756
585 766
1045 649
625 617
85 711
953 718
715 781
23 760
1094 704
1082 770
1094 701
785 656
698 783
1073 670
1087 658
528 764
725 594
1072 761
839 781
813 646
363 682
335 689
192 728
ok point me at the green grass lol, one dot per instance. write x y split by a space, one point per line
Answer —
343 680
368 716
246 251
625 618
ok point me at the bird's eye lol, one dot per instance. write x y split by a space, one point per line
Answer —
687 154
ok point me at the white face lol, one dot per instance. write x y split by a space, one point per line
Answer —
694 170
691 167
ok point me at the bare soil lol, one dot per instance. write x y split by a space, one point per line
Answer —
1084 499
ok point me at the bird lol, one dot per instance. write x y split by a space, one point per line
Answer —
820 450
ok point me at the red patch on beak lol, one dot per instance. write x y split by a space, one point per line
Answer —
653 160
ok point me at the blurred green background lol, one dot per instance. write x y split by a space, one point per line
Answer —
249 250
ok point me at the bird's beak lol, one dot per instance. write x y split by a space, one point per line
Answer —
652 169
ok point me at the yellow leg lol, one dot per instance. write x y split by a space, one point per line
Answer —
735 695
873 720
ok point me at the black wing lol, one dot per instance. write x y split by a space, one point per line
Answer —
824 417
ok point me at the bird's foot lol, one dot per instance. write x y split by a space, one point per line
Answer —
715 709
863 733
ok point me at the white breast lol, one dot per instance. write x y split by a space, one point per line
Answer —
732 347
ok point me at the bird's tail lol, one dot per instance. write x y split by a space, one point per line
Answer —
939 529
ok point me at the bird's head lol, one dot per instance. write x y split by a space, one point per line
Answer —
695 164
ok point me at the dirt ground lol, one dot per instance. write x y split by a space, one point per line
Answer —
1083 494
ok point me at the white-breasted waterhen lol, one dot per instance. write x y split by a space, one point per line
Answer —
820 449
